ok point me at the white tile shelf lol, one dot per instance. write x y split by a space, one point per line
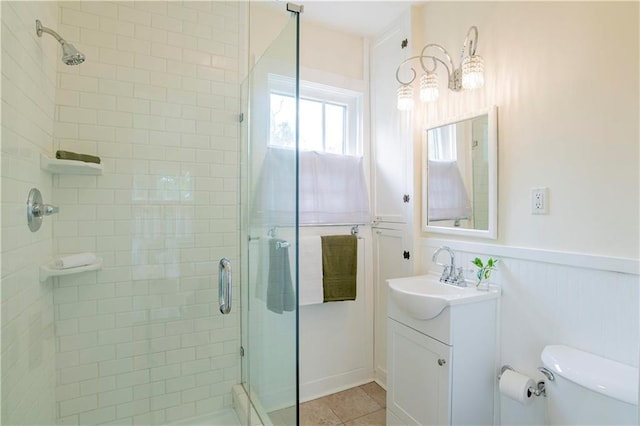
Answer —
50 270
69 167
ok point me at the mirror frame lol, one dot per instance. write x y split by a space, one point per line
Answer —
492 153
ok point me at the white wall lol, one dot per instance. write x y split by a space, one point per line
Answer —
157 99
565 79
564 76
321 48
28 95
336 339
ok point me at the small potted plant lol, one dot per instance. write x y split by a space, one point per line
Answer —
484 272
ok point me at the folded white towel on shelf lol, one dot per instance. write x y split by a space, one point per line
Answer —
310 261
75 260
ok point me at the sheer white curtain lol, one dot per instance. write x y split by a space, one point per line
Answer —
332 188
448 198
442 143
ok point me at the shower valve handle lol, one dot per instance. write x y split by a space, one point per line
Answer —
37 209
44 210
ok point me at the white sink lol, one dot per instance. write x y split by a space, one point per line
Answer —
424 297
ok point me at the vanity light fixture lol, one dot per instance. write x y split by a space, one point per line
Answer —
469 75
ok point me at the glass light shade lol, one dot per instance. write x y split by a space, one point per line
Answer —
472 72
429 87
405 98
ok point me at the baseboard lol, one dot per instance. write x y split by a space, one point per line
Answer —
328 385
393 420
381 378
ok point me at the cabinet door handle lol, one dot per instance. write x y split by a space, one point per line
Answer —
441 361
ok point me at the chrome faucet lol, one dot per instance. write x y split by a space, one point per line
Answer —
450 274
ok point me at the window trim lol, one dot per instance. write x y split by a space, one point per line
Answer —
352 100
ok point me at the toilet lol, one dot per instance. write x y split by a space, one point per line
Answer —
588 389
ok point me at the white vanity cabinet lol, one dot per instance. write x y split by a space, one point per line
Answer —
419 378
442 371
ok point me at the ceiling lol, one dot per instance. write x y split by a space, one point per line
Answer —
365 18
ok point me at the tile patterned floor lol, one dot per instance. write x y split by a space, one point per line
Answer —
362 405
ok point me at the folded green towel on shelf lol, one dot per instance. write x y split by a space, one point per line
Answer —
68 155
339 267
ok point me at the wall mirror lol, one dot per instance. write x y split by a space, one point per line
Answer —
460 176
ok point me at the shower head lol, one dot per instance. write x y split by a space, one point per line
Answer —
70 55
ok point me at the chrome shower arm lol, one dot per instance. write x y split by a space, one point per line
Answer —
41 29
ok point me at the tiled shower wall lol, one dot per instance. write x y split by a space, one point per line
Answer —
28 104
142 341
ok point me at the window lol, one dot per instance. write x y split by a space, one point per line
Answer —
332 186
328 118
323 125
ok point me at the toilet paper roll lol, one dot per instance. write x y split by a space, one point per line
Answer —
516 386
75 260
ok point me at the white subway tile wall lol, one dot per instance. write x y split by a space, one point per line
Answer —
28 103
157 99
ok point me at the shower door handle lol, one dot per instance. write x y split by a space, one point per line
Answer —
224 285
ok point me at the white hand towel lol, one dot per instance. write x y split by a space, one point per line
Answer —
75 260
310 262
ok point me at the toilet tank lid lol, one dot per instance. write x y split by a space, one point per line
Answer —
610 378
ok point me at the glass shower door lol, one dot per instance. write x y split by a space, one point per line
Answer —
269 232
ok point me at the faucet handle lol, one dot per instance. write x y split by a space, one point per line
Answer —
460 277
446 274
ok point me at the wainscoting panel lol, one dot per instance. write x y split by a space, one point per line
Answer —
584 303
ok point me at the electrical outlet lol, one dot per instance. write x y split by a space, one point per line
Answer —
539 201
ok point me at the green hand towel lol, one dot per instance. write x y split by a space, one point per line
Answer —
339 267
68 155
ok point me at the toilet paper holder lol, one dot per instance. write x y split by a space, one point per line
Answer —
540 388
